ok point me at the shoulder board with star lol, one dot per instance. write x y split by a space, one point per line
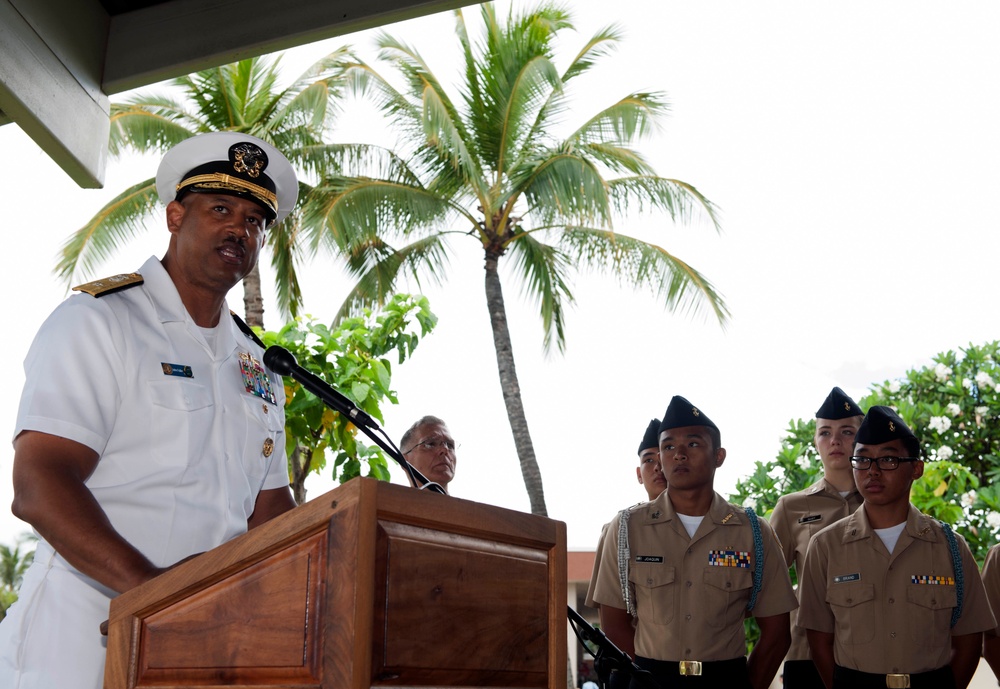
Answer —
110 285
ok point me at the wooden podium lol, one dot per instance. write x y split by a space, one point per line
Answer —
370 585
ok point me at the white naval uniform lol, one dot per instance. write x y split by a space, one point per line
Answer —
182 459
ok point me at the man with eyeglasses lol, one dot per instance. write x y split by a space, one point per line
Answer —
429 447
798 516
891 597
698 566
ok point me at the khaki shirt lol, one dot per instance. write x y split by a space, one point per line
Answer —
991 580
795 519
598 556
885 611
691 593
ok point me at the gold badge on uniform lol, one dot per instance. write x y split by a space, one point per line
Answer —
176 370
847 406
268 447
255 378
892 427
694 410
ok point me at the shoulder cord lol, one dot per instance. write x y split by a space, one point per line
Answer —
956 563
758 557
247 330
623 559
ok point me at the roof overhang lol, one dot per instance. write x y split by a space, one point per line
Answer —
61 59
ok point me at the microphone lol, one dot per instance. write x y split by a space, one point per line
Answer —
283 362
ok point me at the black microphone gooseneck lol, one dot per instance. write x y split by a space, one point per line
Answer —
283 362
608 657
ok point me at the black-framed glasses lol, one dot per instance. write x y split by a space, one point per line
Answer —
434 444
883 463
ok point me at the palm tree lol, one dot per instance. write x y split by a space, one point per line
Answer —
242 97
488 166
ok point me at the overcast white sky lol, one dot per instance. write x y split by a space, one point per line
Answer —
853 149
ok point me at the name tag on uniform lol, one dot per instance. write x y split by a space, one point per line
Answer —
844 578
729 558
176 370
931 580
811 518
648 558
255 378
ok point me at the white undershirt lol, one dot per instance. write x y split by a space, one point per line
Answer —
891 535
690 523
211 335
845 493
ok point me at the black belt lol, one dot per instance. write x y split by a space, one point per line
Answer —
689 674
801 674
845 678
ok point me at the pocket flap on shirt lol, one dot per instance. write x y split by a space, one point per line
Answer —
728 578
931 596
849 595
652 574
182 394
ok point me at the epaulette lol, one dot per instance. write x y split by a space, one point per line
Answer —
115 283
246 329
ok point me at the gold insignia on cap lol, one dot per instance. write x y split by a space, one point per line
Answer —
892 427
847 406
249 159
268 447
98 288
694 410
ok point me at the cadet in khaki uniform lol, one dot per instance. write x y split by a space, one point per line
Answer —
991 580
696 564
797 516
650 475
882 599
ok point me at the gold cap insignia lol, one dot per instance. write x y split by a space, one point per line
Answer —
847 406
694 410
268 447
892 427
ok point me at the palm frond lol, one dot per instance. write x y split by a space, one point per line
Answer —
643 265
542 269
564 188
356 160
150 124
123 218
346 213
631 118
286 252
379 266
601 44
642 193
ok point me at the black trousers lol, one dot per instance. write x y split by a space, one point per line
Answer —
843 678
801 674
725 674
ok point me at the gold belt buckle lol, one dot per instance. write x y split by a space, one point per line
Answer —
692 668
897 681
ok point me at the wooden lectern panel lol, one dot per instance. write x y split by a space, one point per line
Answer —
371 585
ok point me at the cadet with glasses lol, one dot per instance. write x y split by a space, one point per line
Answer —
429 447
798 516
891 597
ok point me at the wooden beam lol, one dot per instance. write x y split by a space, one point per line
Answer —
54 98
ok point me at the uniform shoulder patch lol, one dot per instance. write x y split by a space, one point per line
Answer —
115 283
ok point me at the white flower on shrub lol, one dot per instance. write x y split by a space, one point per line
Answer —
966 383
944 452
802 462
941 372
954 409
982 410
893 387
777 472
993 519
983 380
940 423
969 499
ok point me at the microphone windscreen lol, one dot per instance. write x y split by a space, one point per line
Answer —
280 360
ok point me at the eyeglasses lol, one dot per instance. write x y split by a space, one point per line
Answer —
883 463
434 444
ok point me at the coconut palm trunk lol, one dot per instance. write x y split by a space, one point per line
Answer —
512 389
253 301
